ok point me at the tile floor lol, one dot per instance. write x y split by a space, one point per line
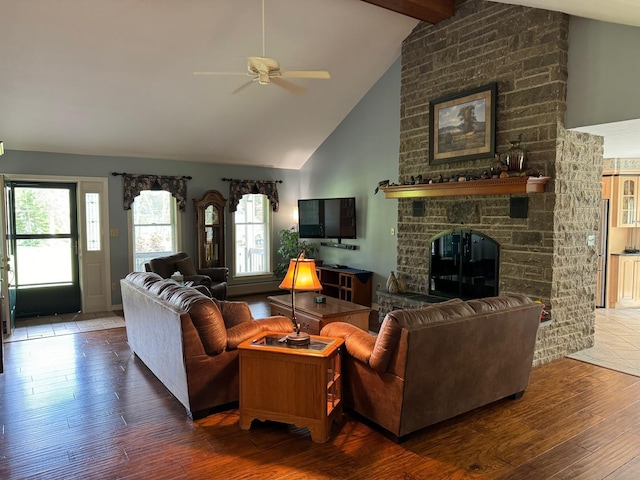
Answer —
65 324
617 341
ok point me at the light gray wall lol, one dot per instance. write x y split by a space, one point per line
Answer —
205 177
359 153
604 72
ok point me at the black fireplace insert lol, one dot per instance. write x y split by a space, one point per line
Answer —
463 264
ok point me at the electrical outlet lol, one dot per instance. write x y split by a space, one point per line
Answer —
113 287
393 231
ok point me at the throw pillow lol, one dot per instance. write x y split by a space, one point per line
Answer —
186 267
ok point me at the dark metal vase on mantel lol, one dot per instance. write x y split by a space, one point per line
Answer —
515 157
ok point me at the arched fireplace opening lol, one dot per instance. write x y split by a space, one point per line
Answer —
463 264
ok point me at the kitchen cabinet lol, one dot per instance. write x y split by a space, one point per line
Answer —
626 197
625 279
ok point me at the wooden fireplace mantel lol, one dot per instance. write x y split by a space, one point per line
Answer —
496 186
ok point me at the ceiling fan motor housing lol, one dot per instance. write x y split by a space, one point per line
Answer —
263 67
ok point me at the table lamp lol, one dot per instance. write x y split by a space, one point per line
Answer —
301 276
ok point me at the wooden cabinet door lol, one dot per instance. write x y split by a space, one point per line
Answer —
626 283
626 202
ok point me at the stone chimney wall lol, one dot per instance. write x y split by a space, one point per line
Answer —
545 255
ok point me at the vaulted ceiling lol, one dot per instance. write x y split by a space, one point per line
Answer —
115 77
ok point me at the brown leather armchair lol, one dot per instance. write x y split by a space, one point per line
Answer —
215 279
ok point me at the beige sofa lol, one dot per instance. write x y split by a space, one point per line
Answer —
188 340
431 364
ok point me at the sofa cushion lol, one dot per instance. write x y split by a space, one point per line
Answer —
396 320
234 313
143 279
490 304
436 312
186 267
206 318
166 266
158 287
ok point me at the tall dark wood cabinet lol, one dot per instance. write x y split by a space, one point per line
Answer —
210 229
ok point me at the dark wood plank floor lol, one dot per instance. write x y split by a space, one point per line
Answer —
82 406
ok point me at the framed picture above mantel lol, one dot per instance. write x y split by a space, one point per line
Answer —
463 126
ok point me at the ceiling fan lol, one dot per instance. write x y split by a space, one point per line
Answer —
266 70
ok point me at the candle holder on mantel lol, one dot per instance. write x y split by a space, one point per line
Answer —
516 156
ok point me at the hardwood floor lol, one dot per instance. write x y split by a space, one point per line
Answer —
82 406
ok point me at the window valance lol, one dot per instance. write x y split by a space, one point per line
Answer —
133 184
238 188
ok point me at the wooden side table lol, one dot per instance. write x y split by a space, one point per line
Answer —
302 386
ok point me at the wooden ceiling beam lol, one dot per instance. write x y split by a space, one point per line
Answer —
431 11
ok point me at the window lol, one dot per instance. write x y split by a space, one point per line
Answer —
155 229
252 234
92 214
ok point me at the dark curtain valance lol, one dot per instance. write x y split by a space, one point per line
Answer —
134 184
238 188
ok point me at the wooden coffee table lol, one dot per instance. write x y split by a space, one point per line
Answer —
313 316
302 386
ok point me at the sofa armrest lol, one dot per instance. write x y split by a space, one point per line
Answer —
244 331
276 323
359 344
198 279
241 332
217 274
218 290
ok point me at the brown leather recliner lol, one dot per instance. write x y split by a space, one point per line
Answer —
215 279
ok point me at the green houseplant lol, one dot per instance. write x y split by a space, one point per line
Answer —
290 247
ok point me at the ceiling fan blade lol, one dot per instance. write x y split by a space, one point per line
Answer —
291 87
220 73
243 86
319 74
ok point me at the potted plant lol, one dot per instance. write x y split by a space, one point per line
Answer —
290 247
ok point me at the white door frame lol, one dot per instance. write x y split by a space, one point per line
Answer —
95 267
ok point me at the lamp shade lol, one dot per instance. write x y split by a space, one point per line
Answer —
301 276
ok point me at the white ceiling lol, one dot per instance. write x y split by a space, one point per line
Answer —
114 77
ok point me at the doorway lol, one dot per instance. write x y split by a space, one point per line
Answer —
43 228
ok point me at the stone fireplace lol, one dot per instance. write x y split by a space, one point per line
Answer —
544 253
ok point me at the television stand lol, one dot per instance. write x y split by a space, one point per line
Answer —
350 284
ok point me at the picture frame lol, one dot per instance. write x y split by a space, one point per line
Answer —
463 126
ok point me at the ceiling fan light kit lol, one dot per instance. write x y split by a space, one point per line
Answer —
264 70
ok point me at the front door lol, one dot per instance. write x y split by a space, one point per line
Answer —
45 234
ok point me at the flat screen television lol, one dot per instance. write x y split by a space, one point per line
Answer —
327 218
